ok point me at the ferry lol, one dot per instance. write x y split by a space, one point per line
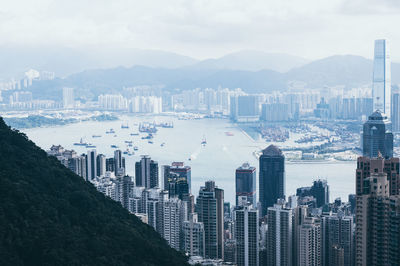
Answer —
110 131
204 141
114 146
96 136
80 143
147 127
90 146
149 136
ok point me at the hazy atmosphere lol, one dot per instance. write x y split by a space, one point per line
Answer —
200 132
104 34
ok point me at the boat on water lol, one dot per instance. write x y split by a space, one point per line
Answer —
80 143
96 136
110 131
128 141
147 127
89 146
228 133
135 148
130 144
151 142
204 141
128 152
149 136
125 126
134 134
162 144
114 146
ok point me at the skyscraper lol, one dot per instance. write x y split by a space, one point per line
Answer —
279 236
174 214
101 165
68 98
271 177
377 211
146 173
247 235
310 242
177 179
381 84
194 240
320 191
395 117
337 239
377 136
210 208
91 164
118 163
246 183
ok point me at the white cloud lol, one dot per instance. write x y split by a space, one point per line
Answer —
204 28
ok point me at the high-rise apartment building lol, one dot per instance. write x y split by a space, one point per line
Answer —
377 136
310 242
320 191
337 239
68 98
101 165
194 239
91 164
210 209
246 183
395 117
280 234
381 83
146 173
246 235
174 214
271 177
244 108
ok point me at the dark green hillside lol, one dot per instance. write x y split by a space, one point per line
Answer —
50 216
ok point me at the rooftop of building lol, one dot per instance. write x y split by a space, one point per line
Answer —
272 150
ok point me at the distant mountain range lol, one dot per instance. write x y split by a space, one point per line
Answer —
252 71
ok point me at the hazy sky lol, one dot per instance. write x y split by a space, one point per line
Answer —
206 28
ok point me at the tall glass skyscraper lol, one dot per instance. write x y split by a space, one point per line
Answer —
381 87
271 177
377 136
246 183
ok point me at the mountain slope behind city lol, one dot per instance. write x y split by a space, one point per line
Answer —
50 216
348 71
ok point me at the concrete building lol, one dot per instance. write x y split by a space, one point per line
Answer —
246 235
210 209
337 239
245 181
146 172
194 238
280 234
310 249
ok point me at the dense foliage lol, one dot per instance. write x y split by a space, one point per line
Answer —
50 216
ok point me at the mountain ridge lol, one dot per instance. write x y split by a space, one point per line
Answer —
50 216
